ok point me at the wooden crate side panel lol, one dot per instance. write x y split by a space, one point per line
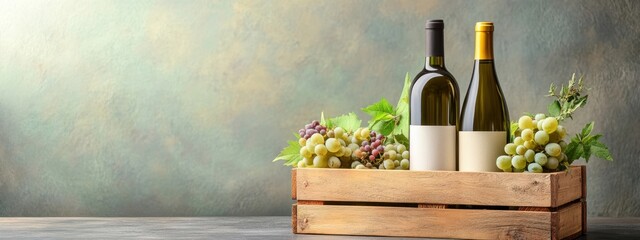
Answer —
569 220
584 217
422 222
294 174
584 199
566 186
294 218
430 187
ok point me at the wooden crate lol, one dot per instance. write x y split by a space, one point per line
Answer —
440 204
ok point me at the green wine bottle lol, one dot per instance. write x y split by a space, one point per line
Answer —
484 127
434 108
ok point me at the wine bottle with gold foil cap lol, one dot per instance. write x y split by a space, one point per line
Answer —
484 120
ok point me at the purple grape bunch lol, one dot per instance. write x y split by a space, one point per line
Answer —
312 128
372 150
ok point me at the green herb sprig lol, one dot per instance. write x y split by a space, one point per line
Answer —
567 100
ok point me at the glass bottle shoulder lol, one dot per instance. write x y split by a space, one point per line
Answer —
435 77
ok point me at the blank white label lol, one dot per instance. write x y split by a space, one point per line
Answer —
432 147
479 149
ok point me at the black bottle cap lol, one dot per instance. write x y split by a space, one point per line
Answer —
435 38
434 24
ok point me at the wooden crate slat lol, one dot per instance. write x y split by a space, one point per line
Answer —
422 222
569 221
566 186
584 198
436 187
294 218
293 184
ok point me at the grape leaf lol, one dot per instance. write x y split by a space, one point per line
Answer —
403 101
574 150
554 108
381 113
323 122
381 107
402 109
400 139
388 120
601 151
380 119
587 129
586 152
290 154
591 138
585 145
385 128
349 122
513 129
402 127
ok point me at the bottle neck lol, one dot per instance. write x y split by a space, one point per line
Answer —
433 62
434 48
484 45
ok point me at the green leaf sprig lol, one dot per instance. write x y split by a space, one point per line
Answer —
291 153
389 121
568 100
584 145
349 122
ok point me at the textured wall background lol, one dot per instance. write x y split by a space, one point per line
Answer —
172 108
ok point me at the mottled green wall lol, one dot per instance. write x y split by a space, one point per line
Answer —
175 108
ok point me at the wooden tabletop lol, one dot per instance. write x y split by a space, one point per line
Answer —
223 228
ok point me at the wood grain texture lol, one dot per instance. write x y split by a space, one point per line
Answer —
438 187
583 169
424 222
307 202
535 209
293 184
566 186
294 218
569 221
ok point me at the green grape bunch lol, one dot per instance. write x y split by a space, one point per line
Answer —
539 141
393 156
538 145
330 150
338 148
